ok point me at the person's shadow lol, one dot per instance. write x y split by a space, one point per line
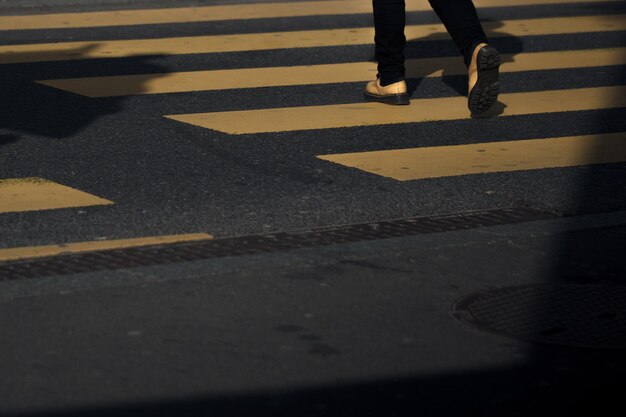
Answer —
28 108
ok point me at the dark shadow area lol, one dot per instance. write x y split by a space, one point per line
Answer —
593 261
535 390
597 256
6 139
31 108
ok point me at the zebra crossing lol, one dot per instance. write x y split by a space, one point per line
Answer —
31 194
176 82
502 156
407 164
228 12
421 110
79 50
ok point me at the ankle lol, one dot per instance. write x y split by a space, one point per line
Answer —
386 81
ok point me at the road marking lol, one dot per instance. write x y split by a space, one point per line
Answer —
228 12
12 254
421 110
30 194
177 82
68 51
479 158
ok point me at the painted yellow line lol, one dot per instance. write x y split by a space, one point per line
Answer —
320 74
519 155
67 51
421 110
12 254
30 194
227 12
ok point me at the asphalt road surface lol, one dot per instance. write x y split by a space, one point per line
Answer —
199 214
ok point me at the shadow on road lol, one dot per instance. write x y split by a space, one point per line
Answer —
524 391
30 108
587 303
6 139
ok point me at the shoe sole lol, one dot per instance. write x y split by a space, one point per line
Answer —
395 99
485 92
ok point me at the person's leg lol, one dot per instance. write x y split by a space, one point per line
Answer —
389 21
389 86
461 20
483 61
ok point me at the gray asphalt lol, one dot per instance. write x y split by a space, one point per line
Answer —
363 328
355 329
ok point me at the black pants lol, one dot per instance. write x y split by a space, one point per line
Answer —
458 16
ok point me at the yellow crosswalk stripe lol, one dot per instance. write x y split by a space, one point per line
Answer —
125 85
478 158
12 254
30 194
228 12
420 110
67 51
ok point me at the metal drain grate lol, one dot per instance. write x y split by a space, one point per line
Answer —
590 316
249 245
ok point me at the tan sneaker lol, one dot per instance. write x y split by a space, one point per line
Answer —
390 94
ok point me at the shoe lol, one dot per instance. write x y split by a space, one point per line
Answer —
485 92
390 94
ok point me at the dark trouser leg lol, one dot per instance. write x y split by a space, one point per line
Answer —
461 20
389 20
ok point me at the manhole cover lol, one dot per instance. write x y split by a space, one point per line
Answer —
591 316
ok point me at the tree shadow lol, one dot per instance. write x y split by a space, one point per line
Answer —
33 109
